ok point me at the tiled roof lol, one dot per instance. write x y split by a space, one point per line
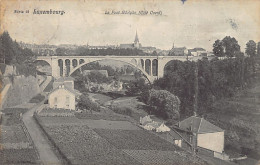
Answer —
67 89
199 125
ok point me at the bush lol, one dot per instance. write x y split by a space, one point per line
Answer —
38 98
84 103
123 110
166 104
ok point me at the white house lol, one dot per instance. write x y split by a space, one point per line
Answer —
62 97
206 135
144 120
156 126
151 126
162 128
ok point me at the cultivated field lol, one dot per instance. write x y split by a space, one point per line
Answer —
107 124
91 141
136 140
15 145
18 156
81 145
155 157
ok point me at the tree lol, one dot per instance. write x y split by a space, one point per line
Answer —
218 49
166 104
231 47
251 48
137 87
258 49
7 52
84 103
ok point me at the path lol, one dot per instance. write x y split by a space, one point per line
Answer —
47 156
45 83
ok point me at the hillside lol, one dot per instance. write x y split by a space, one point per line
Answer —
239 116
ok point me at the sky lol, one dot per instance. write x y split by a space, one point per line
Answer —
195 23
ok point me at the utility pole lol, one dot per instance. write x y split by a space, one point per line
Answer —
196 86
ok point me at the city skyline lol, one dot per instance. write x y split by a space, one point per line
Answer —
192 24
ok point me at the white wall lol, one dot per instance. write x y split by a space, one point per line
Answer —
212 141
61 99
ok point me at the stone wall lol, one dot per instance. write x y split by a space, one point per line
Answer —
21 91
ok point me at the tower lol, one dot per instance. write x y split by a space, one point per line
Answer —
136 42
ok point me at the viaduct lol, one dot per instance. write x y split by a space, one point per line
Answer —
151 66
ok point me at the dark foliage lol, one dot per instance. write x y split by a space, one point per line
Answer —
217 79
84 103
37 99
12 54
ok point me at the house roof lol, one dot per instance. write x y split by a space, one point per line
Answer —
199 125
153 124
67 89
62 79
175 135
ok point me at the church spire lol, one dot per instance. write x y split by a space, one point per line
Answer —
136 38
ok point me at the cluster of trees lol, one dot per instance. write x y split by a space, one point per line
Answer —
81 81
163 103
229 47
84 51
84 103
207 80
216 79
12 54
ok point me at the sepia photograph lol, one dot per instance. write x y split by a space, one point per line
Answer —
129 82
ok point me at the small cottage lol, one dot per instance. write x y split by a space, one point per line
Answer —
162 128
151 126
62 97
145 120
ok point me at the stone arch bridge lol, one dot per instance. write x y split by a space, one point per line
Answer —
151 66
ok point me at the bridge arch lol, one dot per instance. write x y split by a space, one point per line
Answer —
149 78
46 61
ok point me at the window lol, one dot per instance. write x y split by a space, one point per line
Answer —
55 102
67 101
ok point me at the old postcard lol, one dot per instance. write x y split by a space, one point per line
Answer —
172 82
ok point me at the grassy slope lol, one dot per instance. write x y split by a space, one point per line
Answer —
240 118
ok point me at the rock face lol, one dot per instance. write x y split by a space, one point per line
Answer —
21 91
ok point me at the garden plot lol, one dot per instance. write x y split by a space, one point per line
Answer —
12 134
18 156
135 140
155 157
82 145
107 124
60 120
104 116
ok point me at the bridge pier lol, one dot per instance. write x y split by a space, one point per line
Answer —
55 69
